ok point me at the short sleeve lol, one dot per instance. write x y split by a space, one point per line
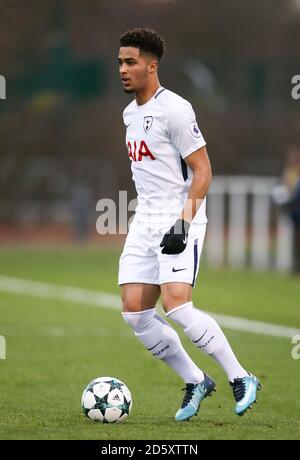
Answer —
183 129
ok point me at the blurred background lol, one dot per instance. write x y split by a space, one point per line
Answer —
62 142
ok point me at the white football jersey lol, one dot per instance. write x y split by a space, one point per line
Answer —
159 135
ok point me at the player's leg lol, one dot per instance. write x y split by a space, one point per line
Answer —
139 281
139 297
177 276
154 332
200 327
206 334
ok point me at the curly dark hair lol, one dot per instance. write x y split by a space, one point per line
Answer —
147 40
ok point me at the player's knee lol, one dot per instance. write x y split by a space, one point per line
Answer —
175 294
173 301
131 303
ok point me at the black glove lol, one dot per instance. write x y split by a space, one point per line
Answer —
175 240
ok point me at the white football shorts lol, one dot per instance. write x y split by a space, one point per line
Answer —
142 261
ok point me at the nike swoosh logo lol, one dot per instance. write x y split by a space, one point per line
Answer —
149 349
177 269
128 124
195 341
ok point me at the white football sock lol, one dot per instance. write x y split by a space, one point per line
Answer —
206 334
163 342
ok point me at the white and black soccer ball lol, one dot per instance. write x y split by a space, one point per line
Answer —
106 400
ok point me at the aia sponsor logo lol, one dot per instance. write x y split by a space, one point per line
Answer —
138 150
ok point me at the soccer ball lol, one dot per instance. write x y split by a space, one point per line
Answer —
106 400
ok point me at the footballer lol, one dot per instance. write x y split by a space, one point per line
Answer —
172 174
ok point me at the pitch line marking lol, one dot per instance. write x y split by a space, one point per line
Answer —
19 286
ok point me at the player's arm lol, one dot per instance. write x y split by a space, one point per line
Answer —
202 175
174 242
187 138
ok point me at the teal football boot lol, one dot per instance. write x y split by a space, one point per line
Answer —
244 392
194 393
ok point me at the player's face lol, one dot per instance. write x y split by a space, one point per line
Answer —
135 69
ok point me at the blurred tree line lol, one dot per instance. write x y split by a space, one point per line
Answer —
61 124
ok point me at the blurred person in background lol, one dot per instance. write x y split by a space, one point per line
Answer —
80 208
291 180
170 166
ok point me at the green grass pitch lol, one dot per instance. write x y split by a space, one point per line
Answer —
54 348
